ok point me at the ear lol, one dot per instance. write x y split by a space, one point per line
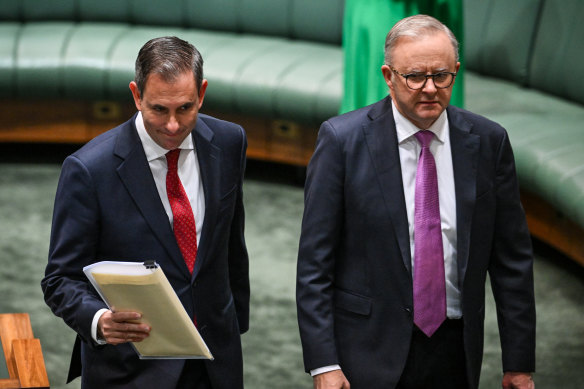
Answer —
202 92
456 69
387 73
136 95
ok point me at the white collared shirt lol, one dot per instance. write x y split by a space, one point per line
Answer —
190 177
409 153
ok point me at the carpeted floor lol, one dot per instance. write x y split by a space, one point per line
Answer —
272 352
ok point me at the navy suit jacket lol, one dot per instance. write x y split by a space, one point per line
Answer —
354 282
107 207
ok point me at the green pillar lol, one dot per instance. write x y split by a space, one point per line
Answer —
450 12
365 25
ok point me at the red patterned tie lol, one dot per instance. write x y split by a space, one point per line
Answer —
185 229
429 280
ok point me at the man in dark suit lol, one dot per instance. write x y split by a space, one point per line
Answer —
117 200
375 309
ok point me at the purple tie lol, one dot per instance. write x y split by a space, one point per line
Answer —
429 281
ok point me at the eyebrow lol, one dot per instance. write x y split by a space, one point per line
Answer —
435 71
186 104
156 106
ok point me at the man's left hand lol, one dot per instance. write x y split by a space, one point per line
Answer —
516 380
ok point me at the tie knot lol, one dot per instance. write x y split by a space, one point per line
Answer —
172 159
424 137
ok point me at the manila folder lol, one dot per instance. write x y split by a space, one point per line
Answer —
143 287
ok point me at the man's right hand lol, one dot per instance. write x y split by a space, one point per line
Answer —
331 380
121 327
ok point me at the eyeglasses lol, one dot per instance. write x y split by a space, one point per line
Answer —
417 81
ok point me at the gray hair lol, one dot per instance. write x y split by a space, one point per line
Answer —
169 57
415 27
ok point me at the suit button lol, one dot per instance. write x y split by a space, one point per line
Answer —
408 310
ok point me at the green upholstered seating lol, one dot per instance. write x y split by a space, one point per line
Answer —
525 59
279 59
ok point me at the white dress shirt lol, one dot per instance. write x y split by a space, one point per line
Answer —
190 177
409 153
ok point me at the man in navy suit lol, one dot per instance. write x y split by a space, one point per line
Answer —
112 204
355 284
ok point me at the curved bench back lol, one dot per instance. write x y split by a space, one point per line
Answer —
534 43
319 21
269 58
558 51
499 37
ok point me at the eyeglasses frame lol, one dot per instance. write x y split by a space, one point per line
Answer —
406 76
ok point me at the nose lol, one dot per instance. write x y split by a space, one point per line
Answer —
429 86
172 125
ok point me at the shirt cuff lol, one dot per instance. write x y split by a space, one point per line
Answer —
324 369
94 326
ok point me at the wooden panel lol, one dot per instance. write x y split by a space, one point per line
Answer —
553 228
9 384
55 121
275 140
30 365
24 358
13 326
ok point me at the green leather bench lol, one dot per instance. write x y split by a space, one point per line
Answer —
276 67
525 58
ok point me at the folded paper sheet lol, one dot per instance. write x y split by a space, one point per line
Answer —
143 287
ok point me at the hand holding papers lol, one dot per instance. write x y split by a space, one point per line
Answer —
143 287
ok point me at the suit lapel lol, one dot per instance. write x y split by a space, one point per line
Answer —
465 152
209 157
381 137
136 176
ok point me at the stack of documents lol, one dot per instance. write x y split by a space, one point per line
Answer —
143 287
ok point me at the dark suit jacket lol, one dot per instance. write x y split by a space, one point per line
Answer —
354 287
107 208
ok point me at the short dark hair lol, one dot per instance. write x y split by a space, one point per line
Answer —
169 57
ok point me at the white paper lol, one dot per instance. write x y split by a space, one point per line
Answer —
131 286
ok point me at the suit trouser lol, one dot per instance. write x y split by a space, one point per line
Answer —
194 376
436 362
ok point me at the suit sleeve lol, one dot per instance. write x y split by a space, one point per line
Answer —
321 229
511 269
73 244
238 257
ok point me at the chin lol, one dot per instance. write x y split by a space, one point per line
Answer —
432 114
172 146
